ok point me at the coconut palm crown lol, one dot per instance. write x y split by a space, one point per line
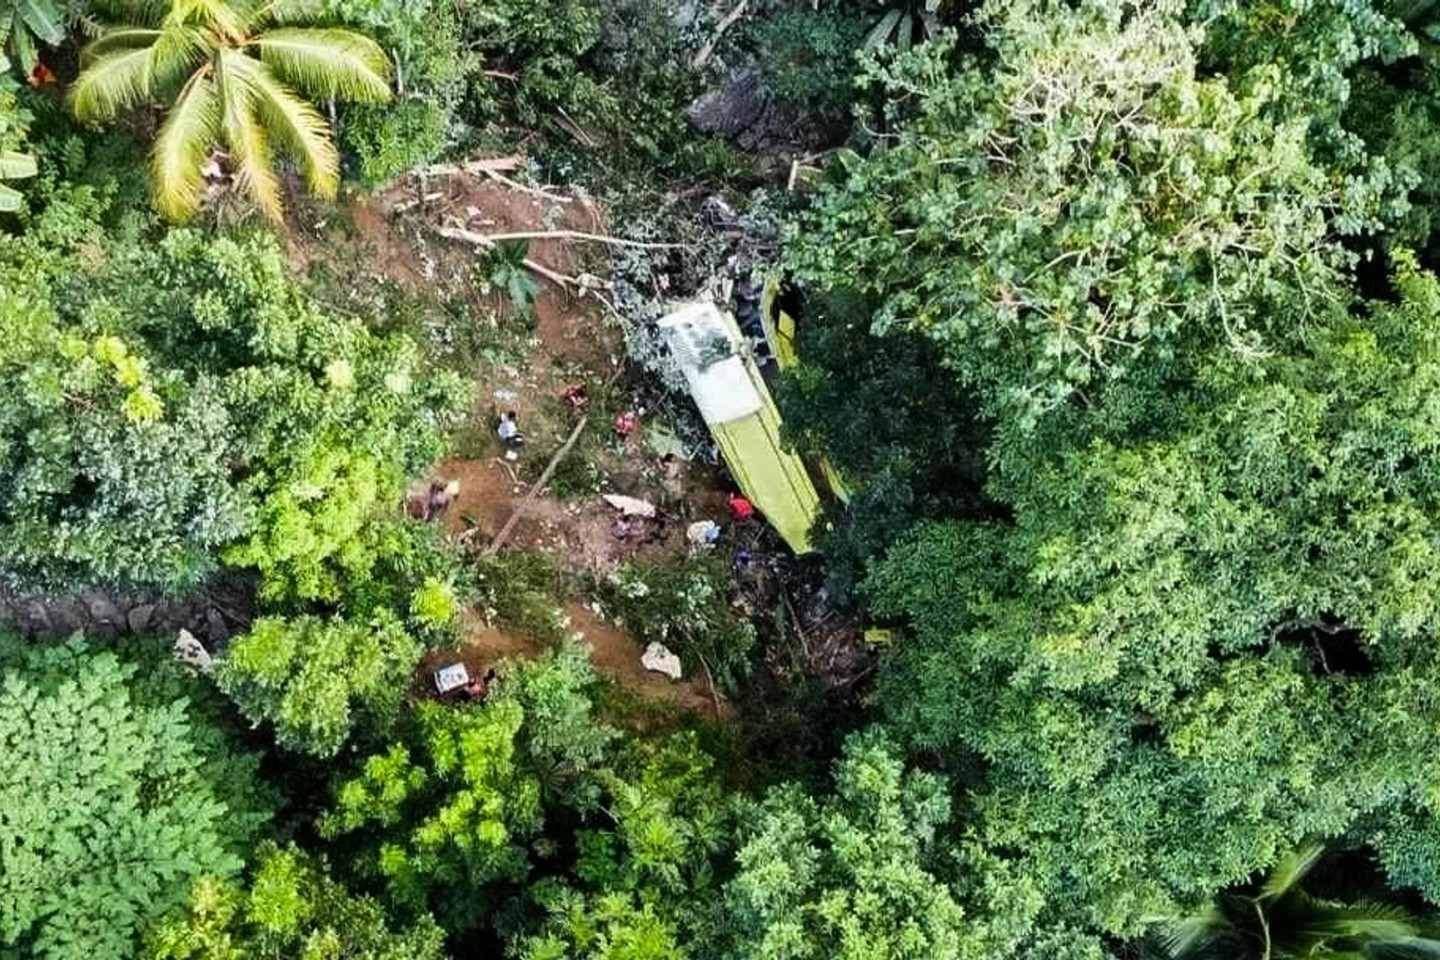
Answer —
235 77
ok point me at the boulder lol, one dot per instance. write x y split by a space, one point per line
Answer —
191 652
733 109
140 616
659 658
103 610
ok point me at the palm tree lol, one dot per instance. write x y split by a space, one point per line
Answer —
1283 922
234 76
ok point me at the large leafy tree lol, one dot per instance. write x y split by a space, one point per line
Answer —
234 77
116 799
676 869
1077 210
311 677
290 908
859 873
1185 655
180 397
445 816
1180 641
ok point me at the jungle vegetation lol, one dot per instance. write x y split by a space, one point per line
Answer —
1119 319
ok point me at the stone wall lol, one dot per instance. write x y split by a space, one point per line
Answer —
213 614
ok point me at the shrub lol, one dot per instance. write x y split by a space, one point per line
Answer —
686 606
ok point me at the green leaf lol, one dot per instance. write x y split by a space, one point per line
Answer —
16 166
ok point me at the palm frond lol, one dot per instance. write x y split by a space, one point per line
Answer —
1404 948
1365 920
327 63
214 16
250 155
1291 869
137 13
113 83
117 39
189 131
299 128
177 51
290 12
1183 937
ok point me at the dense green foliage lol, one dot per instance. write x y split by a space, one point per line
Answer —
1190 626
302 674
685 606
116 797
291 908
179 398
1118 320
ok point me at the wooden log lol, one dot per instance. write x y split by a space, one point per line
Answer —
535 489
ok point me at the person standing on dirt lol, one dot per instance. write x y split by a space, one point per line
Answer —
510 436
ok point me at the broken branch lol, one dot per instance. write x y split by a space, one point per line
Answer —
576 235
708 50
583 282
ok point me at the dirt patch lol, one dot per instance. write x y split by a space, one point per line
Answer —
615 654
524 363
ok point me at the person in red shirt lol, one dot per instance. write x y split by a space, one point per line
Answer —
740 508
626 424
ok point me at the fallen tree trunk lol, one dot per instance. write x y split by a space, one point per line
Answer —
535 489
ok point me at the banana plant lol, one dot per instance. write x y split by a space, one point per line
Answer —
905 25
14 165
24 23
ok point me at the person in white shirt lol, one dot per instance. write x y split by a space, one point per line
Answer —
510 436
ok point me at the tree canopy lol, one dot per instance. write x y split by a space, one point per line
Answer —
116 798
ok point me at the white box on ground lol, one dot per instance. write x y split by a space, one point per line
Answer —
451 678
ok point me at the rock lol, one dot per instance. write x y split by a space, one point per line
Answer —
732 109
66 618
191 652
215 626
657 657
139 617
103 611
36 622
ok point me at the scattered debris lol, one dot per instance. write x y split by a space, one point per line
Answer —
703 533
660 659
630 506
